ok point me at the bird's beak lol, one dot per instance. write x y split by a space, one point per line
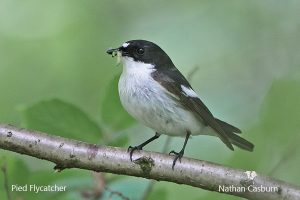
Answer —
113 52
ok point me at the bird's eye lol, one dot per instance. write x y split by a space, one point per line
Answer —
140 51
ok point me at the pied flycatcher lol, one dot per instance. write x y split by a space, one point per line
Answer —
156 94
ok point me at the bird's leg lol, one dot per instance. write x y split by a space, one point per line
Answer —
140 147
178 155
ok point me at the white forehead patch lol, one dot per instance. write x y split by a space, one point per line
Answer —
188 91
125 45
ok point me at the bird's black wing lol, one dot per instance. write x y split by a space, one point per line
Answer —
172 80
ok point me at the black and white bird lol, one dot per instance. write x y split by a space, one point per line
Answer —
156 94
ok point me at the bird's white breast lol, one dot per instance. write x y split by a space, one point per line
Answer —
148 102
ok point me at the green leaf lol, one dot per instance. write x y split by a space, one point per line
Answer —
281 110
280 129
120 141
127 187
61 118
276 134
112 112
17 173
160 194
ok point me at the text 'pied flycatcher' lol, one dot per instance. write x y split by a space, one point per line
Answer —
156 94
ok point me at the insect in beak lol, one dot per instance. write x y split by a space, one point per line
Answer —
115 52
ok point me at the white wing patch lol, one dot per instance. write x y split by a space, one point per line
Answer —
125 45
188 91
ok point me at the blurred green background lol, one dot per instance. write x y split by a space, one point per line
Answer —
56 77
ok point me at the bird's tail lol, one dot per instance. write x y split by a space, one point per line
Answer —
234 138
240 142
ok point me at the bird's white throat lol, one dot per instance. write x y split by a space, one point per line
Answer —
133 67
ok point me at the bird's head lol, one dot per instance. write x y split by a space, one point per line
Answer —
142 52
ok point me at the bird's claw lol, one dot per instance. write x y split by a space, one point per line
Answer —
178 156
131 149
173 153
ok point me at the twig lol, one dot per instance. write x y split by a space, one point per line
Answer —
192 73
151 184
6 187
69 153
97 191
113 192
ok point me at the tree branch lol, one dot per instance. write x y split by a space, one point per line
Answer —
68 153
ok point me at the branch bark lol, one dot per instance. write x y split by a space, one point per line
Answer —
69 153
